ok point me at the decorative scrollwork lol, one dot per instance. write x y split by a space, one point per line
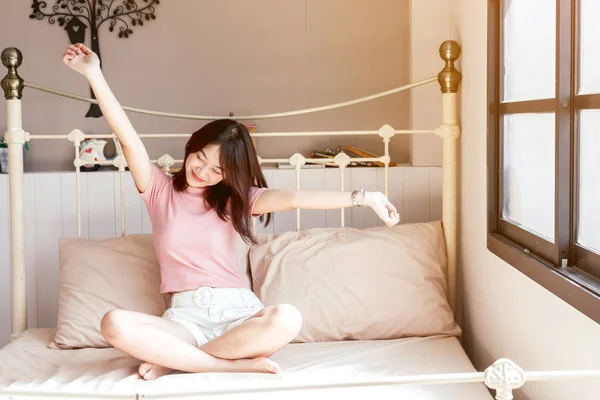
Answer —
297 160
386 132
62 12
504 376
446 131
128 13
342 159
122 13
78 15
16 137
76 136
166 162
120 162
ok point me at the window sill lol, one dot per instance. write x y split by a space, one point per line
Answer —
575 287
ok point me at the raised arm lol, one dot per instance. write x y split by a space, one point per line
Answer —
274 200
83 60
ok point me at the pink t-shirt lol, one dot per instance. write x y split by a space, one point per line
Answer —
194 247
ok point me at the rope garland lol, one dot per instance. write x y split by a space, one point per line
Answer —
242 117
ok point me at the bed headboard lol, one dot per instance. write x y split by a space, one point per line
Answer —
15 137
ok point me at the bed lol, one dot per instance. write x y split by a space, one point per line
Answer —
108 371
348 344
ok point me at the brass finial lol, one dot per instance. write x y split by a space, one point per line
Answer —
12 82
449 78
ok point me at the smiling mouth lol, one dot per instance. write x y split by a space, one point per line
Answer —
196 178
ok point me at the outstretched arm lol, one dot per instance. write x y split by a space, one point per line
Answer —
274 200
83 60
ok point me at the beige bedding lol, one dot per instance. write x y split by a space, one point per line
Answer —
29 363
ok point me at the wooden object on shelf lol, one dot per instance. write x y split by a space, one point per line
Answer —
366 154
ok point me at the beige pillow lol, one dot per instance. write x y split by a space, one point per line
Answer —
98 276
378 283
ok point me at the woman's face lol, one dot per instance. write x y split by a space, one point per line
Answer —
202 168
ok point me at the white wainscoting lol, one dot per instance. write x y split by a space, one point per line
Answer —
50 213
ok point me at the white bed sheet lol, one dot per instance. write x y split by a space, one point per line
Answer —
29 363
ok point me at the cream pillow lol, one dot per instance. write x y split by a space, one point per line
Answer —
378 283
98 276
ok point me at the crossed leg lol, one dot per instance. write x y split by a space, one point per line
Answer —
165 345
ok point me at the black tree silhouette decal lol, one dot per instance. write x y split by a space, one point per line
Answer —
76 16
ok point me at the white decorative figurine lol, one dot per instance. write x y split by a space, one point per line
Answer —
93 150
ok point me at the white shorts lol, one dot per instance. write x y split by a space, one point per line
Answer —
210 312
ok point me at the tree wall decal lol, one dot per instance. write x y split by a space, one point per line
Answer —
77 16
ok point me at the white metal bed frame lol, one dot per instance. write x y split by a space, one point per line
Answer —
503 376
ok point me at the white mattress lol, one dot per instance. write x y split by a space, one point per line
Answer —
29 363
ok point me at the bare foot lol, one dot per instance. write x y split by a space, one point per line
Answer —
151 371
261 364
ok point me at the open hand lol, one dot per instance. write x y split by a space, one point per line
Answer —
81 59
382 207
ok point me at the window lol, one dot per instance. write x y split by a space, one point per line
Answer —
544 144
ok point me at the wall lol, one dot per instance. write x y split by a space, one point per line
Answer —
505 314
429 27
227 56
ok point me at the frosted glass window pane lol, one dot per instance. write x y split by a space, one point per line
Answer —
529 31
588 233
528 181
590 45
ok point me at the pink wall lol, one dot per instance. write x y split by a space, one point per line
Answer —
430 27
231 55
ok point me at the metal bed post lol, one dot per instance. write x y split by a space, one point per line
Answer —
15 137
449 79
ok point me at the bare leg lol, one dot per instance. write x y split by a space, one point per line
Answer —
150 371
271 328
165 343
260 336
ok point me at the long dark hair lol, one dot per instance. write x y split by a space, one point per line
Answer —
241 171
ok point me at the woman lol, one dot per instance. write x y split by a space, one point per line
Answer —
215 322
